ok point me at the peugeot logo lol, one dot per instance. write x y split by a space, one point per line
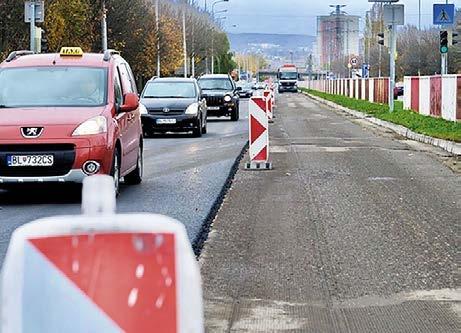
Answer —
31 132
166 110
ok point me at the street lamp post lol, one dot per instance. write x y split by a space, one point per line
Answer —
157 23
184 40
212 33
104 26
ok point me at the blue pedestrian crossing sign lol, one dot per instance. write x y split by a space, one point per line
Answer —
444 14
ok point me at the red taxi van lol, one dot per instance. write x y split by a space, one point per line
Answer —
67 116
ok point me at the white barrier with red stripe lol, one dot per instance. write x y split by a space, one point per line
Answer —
269 104
101 273
259 132
273 96
436 96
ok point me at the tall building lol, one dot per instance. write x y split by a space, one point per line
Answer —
337 38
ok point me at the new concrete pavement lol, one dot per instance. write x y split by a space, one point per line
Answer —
355 230
183 176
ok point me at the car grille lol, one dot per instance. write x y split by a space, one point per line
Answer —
214 100
64 157
160 112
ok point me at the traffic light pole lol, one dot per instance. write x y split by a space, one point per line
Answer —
393 50
444 62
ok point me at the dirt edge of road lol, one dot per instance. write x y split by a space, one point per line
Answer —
199 242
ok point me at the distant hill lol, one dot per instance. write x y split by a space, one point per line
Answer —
275 47
244 41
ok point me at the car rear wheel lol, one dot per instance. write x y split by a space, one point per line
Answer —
115 170
135 176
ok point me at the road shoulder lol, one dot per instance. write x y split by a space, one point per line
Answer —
286 250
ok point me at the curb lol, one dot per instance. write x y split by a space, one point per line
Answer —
205 229
451 147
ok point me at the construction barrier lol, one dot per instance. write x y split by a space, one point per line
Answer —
101 273
272 88
269 105
437 96
258 133
375 90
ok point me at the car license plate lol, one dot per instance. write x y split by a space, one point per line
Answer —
166 121
30 160
213 108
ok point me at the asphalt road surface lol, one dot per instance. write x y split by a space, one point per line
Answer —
182 178
355 230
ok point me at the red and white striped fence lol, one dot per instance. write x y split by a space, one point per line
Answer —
375 90
436 96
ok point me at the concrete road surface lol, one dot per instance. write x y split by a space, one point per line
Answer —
183 177
355 230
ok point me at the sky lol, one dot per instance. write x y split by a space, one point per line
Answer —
299 16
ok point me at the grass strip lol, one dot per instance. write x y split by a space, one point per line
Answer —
434 127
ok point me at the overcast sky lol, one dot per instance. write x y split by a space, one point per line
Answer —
299 16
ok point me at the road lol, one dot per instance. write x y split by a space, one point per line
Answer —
355 230
183 177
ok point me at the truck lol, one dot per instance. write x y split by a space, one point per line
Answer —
288 78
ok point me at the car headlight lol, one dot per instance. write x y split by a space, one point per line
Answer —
96 125
143 109
192 109
227 98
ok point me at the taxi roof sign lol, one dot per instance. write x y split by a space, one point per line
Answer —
71 51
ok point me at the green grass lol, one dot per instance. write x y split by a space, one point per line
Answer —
435 127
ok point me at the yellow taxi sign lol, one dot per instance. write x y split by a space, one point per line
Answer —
71 51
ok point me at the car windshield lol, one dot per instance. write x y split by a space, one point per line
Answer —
53 86
288 75
170 90
215 84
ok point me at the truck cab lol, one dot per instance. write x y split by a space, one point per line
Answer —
288 78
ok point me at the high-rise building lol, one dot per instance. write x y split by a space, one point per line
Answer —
337 38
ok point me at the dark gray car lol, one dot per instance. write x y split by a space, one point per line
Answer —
173 105
221 94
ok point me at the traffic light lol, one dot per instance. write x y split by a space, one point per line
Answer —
383 38
444 41
452 38
44 43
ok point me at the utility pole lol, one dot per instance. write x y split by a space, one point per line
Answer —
157 22
104 26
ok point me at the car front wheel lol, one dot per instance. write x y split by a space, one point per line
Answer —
115 171
197 132
235 114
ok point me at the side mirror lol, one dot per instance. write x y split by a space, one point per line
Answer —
238 89
131 102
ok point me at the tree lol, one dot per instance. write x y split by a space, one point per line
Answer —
69 23
13 30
